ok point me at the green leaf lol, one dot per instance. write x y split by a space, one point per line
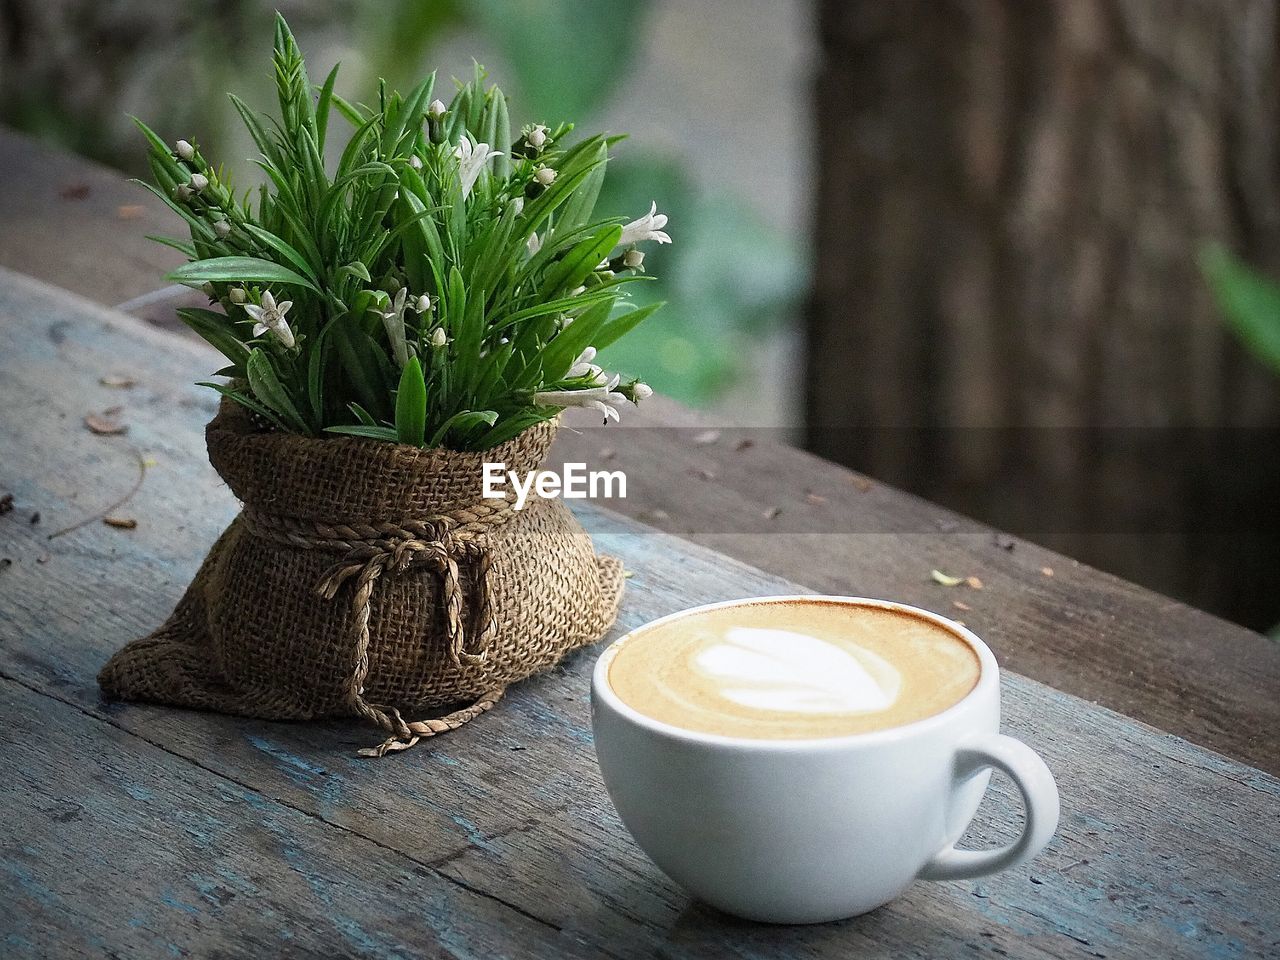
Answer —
360 360
181 245
357 269
362 415
578 263
323 105
282 248
619 326
372 433
247 402
571 341
266 386
1250 302
237 270
218 330
411 405
462 422
578 208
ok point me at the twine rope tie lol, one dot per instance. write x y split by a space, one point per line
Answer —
444 545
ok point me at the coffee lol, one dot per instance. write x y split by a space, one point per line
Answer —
793 669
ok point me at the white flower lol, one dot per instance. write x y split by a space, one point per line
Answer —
471 160
393 320
423 304
545 176
182 192
604 399
640 391
237 295
438 338
583 365
270 316
416 162
185 150
222 228
537 137
634 259
648 227
198 182
436 109
533 244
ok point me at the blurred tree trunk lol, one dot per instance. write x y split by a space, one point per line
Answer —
1009 318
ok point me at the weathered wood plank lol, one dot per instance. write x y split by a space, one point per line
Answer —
113 847
1081 631
1165 849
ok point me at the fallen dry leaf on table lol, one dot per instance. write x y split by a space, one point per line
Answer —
120 523
861 484
118 382
945 578
973 583
130 211
961 605
104 424
706 437
814 499
1047 571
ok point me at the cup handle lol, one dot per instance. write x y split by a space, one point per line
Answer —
1039 797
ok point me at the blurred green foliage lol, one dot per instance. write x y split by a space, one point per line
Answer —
1249 301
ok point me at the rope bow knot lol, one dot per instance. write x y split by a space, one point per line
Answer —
445 545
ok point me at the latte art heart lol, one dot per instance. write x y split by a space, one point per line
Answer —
793 669
790 672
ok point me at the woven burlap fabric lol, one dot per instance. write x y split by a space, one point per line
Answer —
258 634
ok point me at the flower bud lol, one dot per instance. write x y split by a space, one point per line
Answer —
436 109
545 176
237 295
633 259
641 391
182 192
185 150
537 137
438 339
222 228
198 182
422 304
416 162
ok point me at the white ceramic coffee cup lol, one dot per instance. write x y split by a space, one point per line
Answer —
804 831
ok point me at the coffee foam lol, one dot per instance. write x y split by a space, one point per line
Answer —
788 672
793 669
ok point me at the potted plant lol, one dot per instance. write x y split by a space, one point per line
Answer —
430 303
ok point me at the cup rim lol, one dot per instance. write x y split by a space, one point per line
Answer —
988 677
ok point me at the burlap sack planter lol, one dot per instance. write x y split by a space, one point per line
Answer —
368 578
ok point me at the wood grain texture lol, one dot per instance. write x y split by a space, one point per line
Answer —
1081 631
1165 849
1014 196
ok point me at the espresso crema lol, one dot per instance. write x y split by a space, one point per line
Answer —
793 669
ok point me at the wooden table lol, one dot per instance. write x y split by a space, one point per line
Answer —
82 227
140 831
